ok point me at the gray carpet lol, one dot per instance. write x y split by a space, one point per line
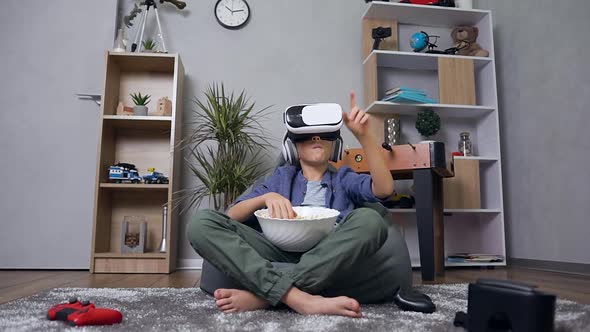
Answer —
189 309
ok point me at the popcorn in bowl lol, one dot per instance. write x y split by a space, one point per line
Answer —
310 226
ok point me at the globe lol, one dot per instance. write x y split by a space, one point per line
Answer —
419 41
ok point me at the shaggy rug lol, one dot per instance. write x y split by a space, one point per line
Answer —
190 309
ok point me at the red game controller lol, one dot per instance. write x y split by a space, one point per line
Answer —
78 313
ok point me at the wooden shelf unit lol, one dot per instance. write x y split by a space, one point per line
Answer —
146 141
478 230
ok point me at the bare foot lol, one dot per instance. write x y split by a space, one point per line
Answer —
307 304
235 300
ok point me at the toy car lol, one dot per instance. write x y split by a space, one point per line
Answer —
124 172
400 201
155 177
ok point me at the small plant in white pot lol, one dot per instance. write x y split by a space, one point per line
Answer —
149 46
427 124
140 101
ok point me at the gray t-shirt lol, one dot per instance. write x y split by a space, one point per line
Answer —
315 194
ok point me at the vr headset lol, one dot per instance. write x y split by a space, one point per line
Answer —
308 120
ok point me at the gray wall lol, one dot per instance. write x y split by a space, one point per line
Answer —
290 52
49 51
542 51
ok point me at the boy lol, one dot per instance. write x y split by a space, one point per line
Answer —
330 268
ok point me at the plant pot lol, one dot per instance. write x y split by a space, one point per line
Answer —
140 110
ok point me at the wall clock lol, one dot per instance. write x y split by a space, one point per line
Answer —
232 14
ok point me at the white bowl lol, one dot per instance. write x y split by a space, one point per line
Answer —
298 235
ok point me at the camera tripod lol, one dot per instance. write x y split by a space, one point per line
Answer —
137 41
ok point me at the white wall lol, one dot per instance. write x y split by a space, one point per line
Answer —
290 52
542 51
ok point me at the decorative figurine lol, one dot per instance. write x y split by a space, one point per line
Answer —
164 107
124 110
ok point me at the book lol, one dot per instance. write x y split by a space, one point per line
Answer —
470 257
409 97
403 88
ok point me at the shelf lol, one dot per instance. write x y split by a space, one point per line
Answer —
434 16
144 62
459 211
480 158
147 255
416 263
132 186
443 110
138 121
419 61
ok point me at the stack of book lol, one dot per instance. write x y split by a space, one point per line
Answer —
473 258
403 95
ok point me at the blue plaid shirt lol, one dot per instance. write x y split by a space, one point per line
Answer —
345 188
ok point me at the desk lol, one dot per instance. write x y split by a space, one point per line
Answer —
426 164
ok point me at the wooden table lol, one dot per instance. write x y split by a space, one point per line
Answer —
426 164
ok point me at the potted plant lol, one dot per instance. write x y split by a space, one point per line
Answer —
427 123
225 148
149 45
140 102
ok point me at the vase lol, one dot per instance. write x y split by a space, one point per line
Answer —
140 110
163 243
120 41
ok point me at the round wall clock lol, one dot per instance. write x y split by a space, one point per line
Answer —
232 14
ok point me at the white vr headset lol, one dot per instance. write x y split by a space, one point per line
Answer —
308 120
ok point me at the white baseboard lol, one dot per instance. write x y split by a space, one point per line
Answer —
189 264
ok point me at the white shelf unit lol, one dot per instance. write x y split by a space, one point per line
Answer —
466 230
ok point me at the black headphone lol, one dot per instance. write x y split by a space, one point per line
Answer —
292 157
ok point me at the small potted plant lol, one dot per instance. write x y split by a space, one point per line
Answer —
427 123
140 101
149 46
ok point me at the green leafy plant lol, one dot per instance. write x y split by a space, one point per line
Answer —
427 123
226 147
149 45
140 100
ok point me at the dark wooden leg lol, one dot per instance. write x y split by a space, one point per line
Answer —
429 217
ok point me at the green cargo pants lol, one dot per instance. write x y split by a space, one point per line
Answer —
343 263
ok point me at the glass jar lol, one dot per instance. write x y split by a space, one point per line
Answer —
465 146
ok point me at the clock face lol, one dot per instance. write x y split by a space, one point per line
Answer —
232 14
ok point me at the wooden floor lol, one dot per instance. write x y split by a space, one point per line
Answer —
15 284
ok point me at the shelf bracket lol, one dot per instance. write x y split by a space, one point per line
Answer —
90 96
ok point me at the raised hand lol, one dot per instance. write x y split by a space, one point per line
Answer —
357 119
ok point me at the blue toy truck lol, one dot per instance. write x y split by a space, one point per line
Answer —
124 173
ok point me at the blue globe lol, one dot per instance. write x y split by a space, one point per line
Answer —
419 41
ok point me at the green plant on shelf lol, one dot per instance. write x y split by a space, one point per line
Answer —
149 45
140 100
427 123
